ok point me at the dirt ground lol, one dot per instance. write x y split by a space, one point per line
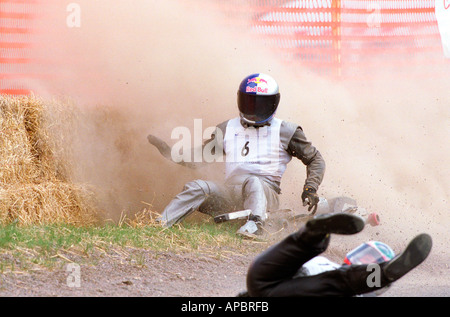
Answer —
176 275
157 274
144 273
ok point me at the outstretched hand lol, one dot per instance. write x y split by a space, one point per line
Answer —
165 151
155 140
310 198
162 146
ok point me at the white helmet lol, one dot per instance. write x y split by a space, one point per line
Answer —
370 252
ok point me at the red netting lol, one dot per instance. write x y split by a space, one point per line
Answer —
342 37
337 37
16 42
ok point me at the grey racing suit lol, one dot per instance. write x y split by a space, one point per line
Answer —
255 189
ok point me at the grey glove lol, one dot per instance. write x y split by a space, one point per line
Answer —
165 151
162 146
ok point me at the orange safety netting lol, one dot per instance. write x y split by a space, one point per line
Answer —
16 44
341 36
336 37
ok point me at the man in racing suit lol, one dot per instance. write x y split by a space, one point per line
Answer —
292 268
256 147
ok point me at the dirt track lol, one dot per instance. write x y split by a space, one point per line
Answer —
143 273
184 275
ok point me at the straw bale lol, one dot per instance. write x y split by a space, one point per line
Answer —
16 154
47 203
35 158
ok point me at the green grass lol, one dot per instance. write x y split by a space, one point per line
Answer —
25 248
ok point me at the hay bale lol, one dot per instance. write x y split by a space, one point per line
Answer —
28 144
16 154
35 184
47 203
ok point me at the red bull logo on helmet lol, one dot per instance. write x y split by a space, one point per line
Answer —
257 90
259 84
256 80
254 85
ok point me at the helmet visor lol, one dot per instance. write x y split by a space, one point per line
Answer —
257 108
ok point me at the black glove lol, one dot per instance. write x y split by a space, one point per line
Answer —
310 197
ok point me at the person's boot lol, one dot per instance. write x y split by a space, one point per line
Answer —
414 254
339 223
252 228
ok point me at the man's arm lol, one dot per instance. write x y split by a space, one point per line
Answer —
296 144
302 149
214 143
165 151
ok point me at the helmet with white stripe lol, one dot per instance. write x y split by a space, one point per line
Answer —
258 99
370 252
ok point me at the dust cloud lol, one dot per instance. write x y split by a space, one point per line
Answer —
149 66
135 69
385 142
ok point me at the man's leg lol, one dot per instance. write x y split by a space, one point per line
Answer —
193 195
266 276
254 197
272 272
352 280
344 281
258 197
281 262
